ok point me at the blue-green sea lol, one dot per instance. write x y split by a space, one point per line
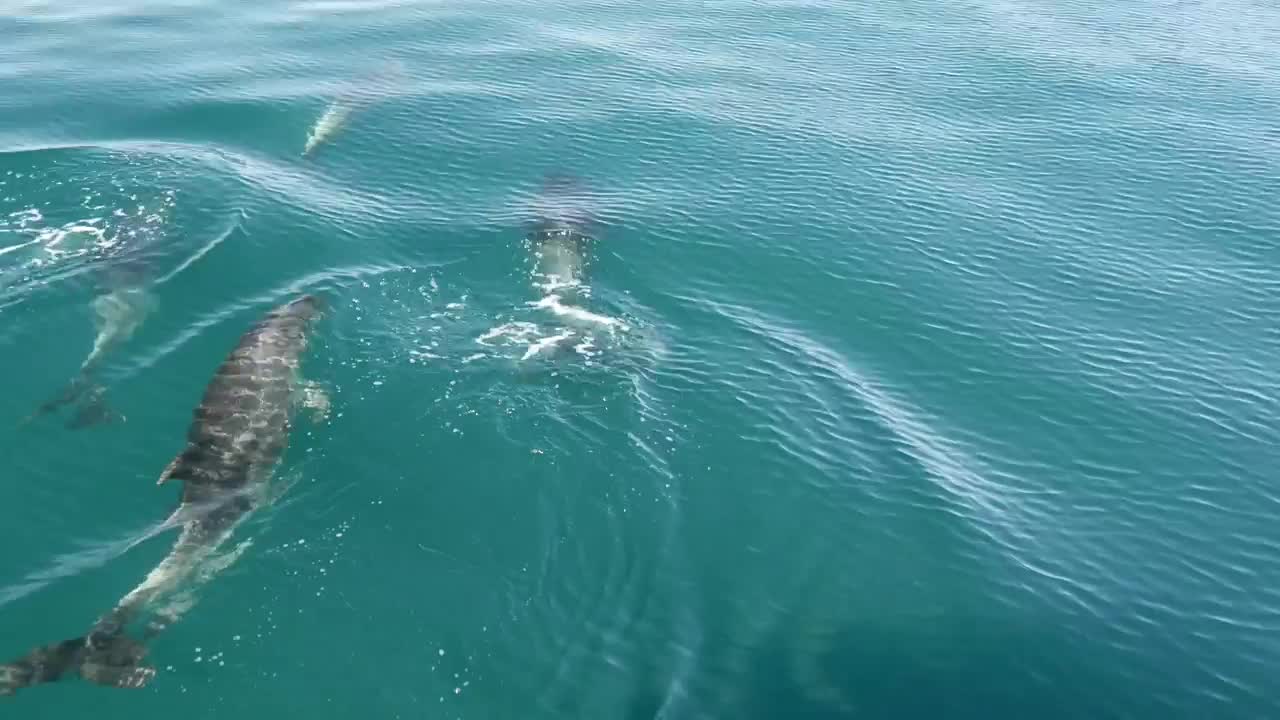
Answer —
924 360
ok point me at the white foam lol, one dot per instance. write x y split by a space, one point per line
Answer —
586 348
53 237
26 217
545 343
555 283
517 331
235 223
19 246
552 303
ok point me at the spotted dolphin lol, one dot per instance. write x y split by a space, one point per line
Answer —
238 434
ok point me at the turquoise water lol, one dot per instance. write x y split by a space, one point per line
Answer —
929 371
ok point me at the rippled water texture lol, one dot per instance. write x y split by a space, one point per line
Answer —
923 365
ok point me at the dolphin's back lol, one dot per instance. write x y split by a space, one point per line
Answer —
240 428
238 432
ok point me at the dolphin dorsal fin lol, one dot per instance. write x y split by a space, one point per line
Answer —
180 467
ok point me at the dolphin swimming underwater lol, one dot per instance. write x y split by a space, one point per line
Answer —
239 432
561 236
365 93
124 276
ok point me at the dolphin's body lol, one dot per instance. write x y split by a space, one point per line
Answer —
560 253
363 94
560 237
124 300
334 119
238 434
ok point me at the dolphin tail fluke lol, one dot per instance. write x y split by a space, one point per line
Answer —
94 410
90 398
112 658
74 390
116 662
105 656
91 408
42 665
126 672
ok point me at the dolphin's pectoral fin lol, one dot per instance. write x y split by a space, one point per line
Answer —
313 397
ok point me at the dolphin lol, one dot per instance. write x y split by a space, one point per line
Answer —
123 302
340 110
561 236
238 434
331 121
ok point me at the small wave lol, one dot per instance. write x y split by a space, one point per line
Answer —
957 471
312 282
215 242
95 555
296 186
19 246
121 208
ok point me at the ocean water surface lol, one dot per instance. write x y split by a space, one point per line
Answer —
924 363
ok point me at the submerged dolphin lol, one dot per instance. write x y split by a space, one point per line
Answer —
123 303
335 116
239 432
561 236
